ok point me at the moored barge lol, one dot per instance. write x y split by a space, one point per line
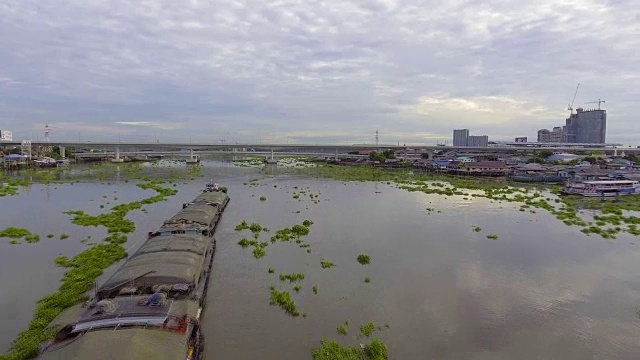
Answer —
602 188
150 308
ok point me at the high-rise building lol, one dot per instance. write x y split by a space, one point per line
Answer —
556 135
544 136
478 140
587 127
460 137
521 139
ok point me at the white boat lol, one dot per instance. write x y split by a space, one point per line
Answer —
211 186
602 188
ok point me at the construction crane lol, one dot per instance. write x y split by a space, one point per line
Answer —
570 107
596 102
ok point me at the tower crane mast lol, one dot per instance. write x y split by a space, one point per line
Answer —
570 107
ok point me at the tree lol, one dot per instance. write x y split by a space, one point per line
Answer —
15 150
376 156
590 159
544 153
389 154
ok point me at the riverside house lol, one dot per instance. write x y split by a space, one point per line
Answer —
482 168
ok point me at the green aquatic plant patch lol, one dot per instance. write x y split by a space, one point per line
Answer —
16 234
242 226
367 329
332 350
325 264
293 277
12 186
342 330
283 299
364 259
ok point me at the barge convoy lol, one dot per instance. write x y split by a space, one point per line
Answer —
150 308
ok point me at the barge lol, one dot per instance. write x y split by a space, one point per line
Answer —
151 307
602 188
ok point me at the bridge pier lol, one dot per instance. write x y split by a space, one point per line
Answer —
192 159
336 156
430 154
117 159
271 160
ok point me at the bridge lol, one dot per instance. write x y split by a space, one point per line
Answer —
194 149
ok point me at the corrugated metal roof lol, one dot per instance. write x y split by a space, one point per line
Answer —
199 213
194 243
167 268
214 196
130 344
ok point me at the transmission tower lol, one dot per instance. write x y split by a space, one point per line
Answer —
47 132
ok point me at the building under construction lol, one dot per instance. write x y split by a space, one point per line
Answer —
581 127
586 126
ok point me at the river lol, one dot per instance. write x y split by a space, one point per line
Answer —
543 290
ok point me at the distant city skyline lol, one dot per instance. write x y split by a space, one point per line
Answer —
306 72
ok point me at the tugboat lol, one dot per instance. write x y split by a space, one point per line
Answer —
213 186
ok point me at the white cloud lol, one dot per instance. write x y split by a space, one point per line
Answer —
153 124
295 63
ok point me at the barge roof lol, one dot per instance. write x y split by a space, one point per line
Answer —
127 306
124 343
197 213
194 243
158 268
212 196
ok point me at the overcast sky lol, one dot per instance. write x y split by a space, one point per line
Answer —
314 71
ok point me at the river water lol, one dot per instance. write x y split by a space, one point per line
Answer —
543 290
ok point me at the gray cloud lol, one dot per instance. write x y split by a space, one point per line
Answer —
320 72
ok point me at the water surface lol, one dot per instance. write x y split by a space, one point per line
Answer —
541 291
